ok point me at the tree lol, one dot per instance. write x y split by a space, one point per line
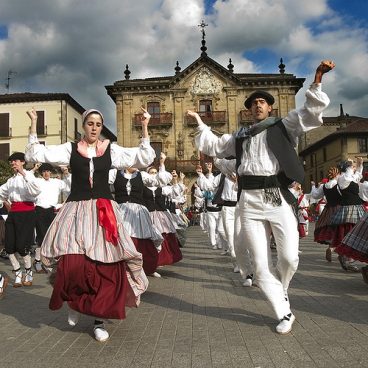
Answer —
5 171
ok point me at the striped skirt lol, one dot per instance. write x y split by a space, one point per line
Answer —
163 221
138 223
76 230
355 243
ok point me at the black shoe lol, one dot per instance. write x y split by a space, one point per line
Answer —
365 273
342 262
3 254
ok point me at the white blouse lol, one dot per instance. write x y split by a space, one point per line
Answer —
121 157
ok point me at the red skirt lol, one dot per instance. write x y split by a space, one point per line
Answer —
324 235
90 287
340 232
301 229
149 254
346 251
170 252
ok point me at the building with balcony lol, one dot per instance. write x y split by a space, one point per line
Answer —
215 91
339 138
59 120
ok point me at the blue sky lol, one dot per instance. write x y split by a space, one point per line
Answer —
65 46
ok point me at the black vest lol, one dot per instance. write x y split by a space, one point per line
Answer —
333 196
217 197
81 189
350 195
136 193
154 201
280 144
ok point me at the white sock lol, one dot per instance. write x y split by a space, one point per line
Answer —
14 261
38 254
27 261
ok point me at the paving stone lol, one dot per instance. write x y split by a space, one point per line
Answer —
199 315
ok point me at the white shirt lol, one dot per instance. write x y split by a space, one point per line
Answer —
318 193
121 157
258 159
198 198
51 190
349 176
162 178
177 193
20 189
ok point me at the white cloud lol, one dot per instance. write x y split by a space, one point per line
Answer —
70 46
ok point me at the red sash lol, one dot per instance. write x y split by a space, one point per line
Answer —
107 219
22 206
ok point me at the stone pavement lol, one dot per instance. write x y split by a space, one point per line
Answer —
199 315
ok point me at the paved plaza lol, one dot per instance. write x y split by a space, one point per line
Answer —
198 315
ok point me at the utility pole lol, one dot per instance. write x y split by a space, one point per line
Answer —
7 84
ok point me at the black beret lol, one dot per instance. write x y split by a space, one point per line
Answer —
45 167
259 94
17 156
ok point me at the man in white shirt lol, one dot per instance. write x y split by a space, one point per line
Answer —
266 163
21 190
46 202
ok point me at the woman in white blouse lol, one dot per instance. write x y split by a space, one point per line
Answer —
99 271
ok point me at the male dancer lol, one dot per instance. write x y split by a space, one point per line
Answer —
21 190
266 163
46 202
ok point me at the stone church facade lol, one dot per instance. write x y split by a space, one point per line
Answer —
216 92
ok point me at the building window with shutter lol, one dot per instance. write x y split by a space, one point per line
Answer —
77 135
4 125
362 145
4 151
41 129
153 109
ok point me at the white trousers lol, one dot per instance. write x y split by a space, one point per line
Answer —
213 220
257 219
221 238
243 258
228 219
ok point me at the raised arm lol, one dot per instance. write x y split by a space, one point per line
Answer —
36 152
209 143
310 115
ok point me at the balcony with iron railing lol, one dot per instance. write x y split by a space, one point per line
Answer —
162 119
210 118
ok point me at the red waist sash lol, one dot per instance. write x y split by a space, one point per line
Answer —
22 206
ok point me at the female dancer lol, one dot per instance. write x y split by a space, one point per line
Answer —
355 243
351 210
128 186
99 271
155 201
324 232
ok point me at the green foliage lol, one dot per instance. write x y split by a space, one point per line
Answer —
5 171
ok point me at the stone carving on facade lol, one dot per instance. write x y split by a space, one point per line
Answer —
205 83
